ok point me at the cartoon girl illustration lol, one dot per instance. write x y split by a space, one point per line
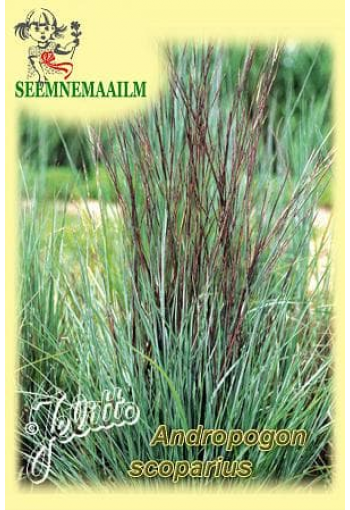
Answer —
42 27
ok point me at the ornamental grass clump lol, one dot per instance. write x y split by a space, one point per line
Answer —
193 293
209 233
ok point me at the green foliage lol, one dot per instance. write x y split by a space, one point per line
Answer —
64 183
193 293
326 198
303 70
47 144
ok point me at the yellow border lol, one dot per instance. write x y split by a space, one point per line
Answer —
120 39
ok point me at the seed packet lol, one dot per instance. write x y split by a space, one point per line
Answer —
174 255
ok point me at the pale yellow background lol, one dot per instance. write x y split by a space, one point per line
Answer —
121 41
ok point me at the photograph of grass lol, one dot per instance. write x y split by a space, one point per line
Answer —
183 255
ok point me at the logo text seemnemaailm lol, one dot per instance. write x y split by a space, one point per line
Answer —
81 89
51 61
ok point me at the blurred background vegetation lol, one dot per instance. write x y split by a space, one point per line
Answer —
57 159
